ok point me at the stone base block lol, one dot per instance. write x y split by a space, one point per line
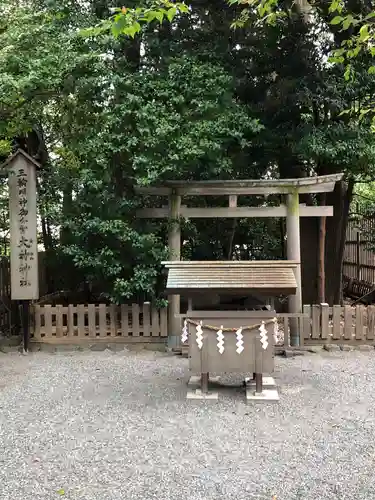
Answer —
267 395
198 394
267 382
195 380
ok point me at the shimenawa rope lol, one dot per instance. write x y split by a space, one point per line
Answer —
215 328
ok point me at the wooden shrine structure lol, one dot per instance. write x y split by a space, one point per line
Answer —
292 210
230 341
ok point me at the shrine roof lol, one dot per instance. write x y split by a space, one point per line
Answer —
19 152
265 277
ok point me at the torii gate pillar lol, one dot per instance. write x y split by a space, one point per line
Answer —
174 243
294 253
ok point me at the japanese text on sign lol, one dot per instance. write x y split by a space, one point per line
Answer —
26 253
23 229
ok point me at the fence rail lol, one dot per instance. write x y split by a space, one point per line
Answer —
321 324
318 324
135 323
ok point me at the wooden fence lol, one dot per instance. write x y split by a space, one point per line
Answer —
98 323
321 324
359 255
317 325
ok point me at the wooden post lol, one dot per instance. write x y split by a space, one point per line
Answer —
358 255
174 242
321 261
25 305
294 253
321 257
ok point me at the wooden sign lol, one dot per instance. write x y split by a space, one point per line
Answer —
23 226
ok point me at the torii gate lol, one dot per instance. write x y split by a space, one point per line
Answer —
292 188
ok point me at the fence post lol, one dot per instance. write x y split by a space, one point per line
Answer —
316 310
306 322
124 320
348 318
370 323
359 323
70 320
48 320
164 321
155 323
336 319
324 317
135 320
59 321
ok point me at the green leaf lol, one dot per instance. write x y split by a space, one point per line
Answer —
347 73
5 147
337 20
334 5
95 30
363 113
159 16
339 52
336 59
371 70
132 30
261 11
349 20
154 14
171 13
183 8
150 16
363 33
120 24
61 492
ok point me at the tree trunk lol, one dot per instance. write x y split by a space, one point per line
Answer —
48 246
336 235
321 256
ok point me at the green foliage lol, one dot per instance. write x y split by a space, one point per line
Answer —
178 123
195 100
364 199
5 147
128 21
349 147
109 126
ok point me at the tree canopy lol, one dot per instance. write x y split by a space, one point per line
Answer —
184 95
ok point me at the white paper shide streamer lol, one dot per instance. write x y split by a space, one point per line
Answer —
185 333
220 340
263 335
276 331
239 343
199 335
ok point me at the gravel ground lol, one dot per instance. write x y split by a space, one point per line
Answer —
113 426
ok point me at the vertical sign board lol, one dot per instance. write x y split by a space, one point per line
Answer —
23 228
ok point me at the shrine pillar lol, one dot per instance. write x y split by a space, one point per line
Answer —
294 253
174 243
